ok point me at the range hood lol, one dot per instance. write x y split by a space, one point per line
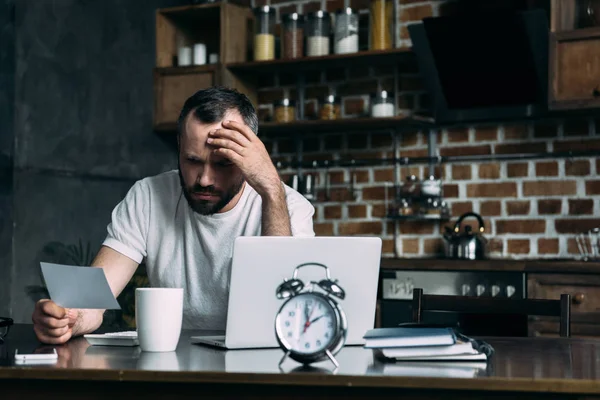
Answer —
484 67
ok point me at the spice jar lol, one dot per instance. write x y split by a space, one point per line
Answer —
264 33
293 36
410 188
330 108
346 31
382 104
381 24
284 110
318 28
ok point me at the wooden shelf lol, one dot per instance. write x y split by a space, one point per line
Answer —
361 124
193 69
578 34
400 123
200 8
379 57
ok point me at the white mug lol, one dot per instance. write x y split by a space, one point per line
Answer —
158 317
153 361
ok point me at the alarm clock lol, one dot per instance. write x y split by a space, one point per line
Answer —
310 325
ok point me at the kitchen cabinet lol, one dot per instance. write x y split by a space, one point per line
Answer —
585 302
574 55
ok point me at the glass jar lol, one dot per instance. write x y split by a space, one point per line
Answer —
346 31
318 28
405 207
381 20
382 104
431 187
292 42
264 33
431 207
410 188
284 110
330 108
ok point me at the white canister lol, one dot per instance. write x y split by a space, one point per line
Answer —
184 56
383 104
199 54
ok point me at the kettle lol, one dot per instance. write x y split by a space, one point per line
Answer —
466 245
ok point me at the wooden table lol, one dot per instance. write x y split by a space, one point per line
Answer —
522 367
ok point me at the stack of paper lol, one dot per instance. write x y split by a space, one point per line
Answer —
421 344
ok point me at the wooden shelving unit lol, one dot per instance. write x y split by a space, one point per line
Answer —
225 28
362 58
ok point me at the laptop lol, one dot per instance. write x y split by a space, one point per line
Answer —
261 263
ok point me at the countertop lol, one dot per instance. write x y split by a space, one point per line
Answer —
534 365
531 265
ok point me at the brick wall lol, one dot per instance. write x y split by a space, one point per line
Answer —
531 208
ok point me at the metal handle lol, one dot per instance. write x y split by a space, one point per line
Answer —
311 263
470 214
578 298
596 92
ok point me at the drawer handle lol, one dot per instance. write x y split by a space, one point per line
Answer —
578 298
596 92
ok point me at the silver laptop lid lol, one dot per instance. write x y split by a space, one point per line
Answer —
260 264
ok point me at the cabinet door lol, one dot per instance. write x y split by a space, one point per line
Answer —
585 302
575 69
171 90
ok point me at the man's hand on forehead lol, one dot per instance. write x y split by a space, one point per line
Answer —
238 143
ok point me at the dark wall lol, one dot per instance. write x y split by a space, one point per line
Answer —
7 92
83 125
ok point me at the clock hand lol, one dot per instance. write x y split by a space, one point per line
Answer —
308 322
306 317
316 319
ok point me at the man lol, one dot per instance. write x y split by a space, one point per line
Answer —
230 188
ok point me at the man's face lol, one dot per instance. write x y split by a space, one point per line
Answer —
209 182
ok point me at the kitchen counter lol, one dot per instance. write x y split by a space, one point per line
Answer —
537 266
521 368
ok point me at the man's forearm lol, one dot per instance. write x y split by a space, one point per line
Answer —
87 321
275 216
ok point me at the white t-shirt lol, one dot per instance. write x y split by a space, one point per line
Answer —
186 250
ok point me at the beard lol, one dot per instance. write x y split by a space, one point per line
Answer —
207 207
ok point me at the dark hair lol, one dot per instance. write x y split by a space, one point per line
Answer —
210 105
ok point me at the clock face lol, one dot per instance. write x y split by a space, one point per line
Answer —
307 323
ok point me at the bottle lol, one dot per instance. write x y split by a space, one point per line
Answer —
264 33
346 31
318 28
381 20
293 36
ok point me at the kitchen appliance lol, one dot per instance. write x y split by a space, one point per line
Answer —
467 245
396 296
